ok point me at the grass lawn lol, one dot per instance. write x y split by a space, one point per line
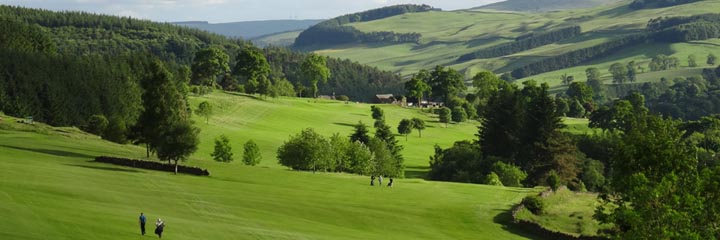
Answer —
567 212
271 122
50 189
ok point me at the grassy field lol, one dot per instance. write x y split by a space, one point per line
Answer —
271 122
50 189
448 35
567 212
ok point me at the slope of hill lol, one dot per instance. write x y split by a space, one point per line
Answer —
277 39
81 34
49 187
251 29
448 35
544 5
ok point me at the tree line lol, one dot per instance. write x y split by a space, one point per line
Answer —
641 4
77 33
358 153
524 43
335 31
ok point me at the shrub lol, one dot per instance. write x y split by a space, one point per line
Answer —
493 179
223 150
343 98
459 115
534 204
510 175
593 175
553 180
305 151
97 124
251 154
577 186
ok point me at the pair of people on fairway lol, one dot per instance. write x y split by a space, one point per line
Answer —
372 181
159 225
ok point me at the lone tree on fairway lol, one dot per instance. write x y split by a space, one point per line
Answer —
377 113
692 61
251 155
315 70
179 141
419 124
444 114
223 150
208 64
360 134
459 115
205 109
405 127
711 58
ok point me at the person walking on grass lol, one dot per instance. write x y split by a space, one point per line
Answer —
380 180
142 224
372 180
159 227
390 184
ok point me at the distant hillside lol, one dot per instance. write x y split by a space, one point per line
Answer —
281 39
544 5
251 29
337 31
534 45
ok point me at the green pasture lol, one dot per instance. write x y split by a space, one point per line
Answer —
450 34
50 189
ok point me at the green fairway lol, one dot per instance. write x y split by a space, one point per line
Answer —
271 122
49 189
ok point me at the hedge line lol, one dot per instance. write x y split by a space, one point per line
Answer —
152 165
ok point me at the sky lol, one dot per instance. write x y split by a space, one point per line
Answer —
218 11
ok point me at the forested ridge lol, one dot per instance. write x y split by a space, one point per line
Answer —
78 33
335 31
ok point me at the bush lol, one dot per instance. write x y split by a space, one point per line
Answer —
553 180
97 124
305 151
577 186
223 150
510 175
343 98
534 204
493 179
251 153
593 175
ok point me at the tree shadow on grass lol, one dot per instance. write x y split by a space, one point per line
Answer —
345 124
51 152
416 173
506 220
104 168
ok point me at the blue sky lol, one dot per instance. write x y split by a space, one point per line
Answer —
231 10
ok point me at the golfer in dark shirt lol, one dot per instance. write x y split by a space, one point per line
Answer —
142 223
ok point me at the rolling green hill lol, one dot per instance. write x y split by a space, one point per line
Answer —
448 35
50 187
251 29
544 5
